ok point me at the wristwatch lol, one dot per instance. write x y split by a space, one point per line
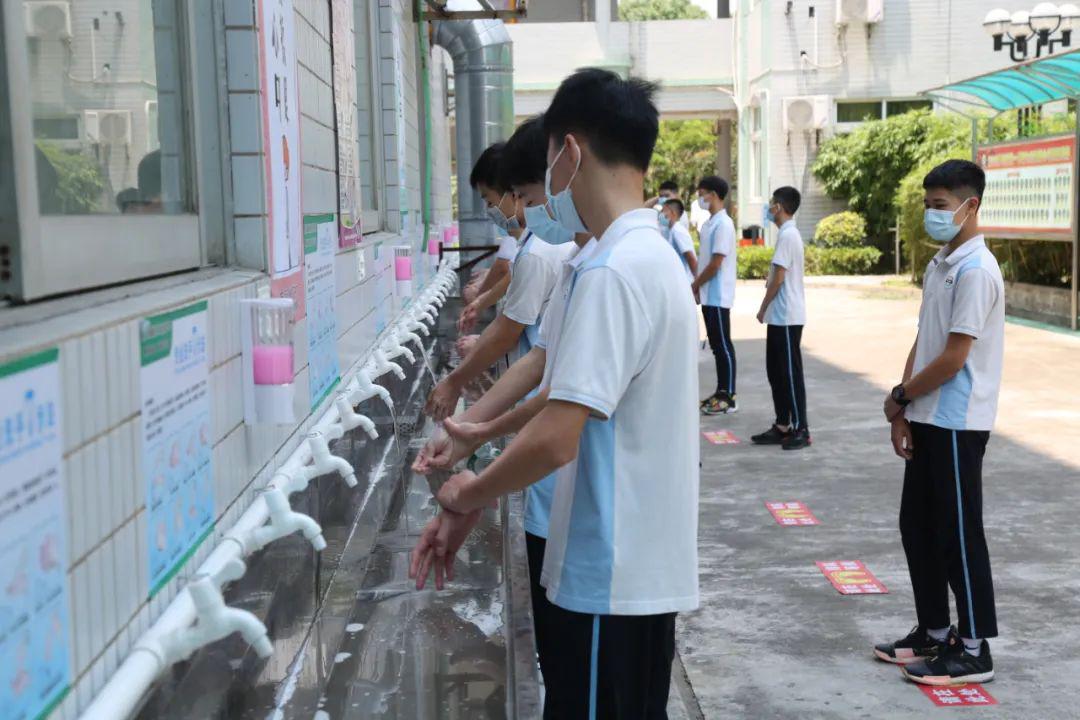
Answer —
899 396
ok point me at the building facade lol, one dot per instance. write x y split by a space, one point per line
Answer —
146 186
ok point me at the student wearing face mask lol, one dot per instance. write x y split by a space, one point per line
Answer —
495 414
715 288
535 270
942 413
621 556
669 190
783 309
671 211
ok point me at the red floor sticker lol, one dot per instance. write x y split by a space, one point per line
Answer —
958 695
790 514
721 437
850 577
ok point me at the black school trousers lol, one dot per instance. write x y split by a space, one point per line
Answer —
608 667
718 328
941 525
783 365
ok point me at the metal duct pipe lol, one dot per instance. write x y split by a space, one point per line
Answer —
484 100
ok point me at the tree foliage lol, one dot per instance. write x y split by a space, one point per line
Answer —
79 180
685 152
636 10
842 229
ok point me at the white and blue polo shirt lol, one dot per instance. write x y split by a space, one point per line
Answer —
623 533
718 238
535 271
789 305
963 292
539 495
682 243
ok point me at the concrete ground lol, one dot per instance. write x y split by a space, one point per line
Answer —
772 638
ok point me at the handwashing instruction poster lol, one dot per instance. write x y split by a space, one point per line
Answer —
176 442
34 668
320 243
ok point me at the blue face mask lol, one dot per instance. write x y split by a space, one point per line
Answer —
539 222
768 216
941 224
664 222
504 223
562 204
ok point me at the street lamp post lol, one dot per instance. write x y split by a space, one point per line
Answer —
1047 25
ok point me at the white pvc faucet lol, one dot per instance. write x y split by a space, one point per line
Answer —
324 462
350 419
213 621
405 335
413 323
426 312
394 349
285 521
383 365
367 389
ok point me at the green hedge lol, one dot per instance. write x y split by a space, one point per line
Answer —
842 229
754 261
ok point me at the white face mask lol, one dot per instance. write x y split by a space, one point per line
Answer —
562 204
703 202
941 225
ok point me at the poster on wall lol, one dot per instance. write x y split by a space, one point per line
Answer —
281 143
176 441
1029 188
345 109
35 672
382 287
320 242
401 131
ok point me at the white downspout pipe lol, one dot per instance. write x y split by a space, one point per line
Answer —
174 631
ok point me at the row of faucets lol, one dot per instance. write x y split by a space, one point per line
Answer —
213 618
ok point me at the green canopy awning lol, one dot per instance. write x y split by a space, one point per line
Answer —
1034 82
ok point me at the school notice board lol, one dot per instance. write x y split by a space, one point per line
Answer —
34 646
1030 188
176 442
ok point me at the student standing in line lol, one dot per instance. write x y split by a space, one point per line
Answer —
676 234
715 289
535 271
669 190
621 557
942 414
494 415
784 310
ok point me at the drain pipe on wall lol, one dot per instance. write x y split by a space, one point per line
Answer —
198 614
484 100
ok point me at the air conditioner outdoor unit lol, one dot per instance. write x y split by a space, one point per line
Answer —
806 113
859 12
47 18
107 127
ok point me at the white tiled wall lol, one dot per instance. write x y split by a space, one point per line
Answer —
99 346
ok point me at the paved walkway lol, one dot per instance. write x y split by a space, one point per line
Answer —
772 638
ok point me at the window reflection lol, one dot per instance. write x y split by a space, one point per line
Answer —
106 85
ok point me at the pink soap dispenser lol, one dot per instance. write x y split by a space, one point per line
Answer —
269 361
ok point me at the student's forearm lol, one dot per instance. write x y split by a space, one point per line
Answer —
546 443
497 339
771 291
942 368
499 269
512 386
909 366
710 270
515 420
691 262
486 299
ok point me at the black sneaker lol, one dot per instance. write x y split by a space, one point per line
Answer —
797 440
917 645
953 666
772 436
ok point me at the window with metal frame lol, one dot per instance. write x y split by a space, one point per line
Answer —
115 129
369 116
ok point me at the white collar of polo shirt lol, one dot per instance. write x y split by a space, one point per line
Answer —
631 220
963 251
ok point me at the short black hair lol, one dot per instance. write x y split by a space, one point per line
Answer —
617 117
955 175
669 185
485 170
714 183
677 204
788 198
524 159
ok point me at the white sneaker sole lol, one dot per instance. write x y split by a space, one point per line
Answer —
941 680
884 657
